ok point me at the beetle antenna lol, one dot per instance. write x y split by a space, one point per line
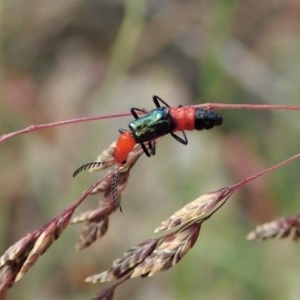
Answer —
114 191
87 166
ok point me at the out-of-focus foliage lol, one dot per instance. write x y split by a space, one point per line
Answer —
63 59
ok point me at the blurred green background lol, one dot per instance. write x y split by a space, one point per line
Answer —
67 59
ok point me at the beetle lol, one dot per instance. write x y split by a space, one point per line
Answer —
161 121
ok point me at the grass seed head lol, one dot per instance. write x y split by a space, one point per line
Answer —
280 228
48 235
194 211
92 231
123 266
169 252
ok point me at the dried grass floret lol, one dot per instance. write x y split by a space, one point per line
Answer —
124 266
96 221
151 256
20 257
196 210
169 251
280 228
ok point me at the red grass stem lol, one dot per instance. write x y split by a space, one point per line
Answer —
37 127
33 128
263 172
247 106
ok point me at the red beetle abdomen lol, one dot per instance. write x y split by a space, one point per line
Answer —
183 118
125 145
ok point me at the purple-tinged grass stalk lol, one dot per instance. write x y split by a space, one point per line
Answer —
37 127
216 106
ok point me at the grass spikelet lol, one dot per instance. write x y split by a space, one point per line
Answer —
281 228
105 187
22 255
96 214
7 278
196 210
96 224
92 231
18 251
50 233
13 259
169 251
123 266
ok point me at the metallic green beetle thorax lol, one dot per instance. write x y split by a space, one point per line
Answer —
154 124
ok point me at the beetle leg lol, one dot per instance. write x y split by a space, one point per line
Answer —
179 139
156 101
134 112
146 151
152 148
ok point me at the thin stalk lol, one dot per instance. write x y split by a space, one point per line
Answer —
208 105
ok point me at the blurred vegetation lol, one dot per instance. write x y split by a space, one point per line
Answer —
66 59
